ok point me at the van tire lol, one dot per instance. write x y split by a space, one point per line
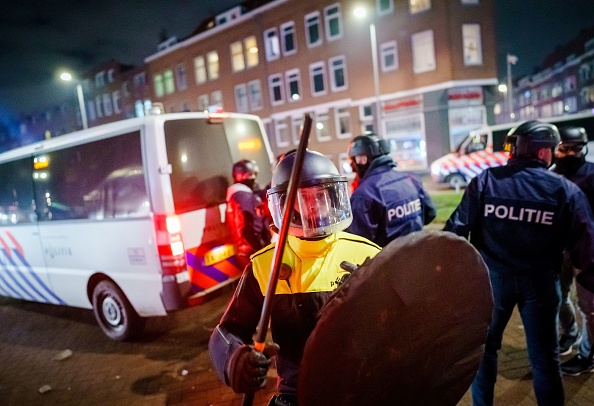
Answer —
114 314
456 180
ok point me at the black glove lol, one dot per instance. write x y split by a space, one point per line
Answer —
247 368
586 279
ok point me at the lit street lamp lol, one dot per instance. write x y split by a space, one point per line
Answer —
360 12
81 100
511 60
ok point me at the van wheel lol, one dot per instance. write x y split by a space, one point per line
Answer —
456 180
116 317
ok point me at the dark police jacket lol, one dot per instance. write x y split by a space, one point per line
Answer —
521 216
315 274
388 204
582 174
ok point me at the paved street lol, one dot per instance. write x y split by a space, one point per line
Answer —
169 365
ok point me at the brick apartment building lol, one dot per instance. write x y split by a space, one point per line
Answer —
436 73
564 84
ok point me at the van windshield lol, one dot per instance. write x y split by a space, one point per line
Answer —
202 153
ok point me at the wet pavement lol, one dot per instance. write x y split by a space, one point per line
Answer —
169 365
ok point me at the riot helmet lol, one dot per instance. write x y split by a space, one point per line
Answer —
245 171
322 207
529 137
573 139
369 145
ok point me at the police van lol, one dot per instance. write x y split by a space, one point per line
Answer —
126 218
483 148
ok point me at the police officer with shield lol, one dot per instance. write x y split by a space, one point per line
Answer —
521 217
310 272
386 203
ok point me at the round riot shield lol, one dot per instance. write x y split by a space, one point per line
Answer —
407 328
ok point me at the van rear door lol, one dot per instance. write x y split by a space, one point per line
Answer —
201 152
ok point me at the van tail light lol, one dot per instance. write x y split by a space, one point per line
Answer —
172 253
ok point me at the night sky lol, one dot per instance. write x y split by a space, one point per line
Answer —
38 38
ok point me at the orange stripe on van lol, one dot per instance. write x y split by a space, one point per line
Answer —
228 268
15 242
201 280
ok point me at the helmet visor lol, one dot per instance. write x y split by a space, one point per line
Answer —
319 211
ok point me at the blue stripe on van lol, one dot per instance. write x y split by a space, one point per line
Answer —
37 278
16 294
213 273
16 282
31 287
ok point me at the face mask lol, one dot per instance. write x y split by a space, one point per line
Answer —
569 164
362 169
249 183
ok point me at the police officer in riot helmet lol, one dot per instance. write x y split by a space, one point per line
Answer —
316 246
570 161
521 217
246 213
386 203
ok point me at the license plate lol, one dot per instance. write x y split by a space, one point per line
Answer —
218 254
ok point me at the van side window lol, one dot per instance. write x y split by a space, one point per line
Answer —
98 180
16 192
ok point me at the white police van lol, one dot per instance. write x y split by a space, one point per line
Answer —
127 218
483 148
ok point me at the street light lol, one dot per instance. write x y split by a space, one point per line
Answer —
511 60
360 12
81 100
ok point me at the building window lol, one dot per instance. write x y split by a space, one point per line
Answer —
570 105
139 108
140 79
203 102
389 56
251 51
180 73
423 51
241 102
199 70
271 44
281 133
91 110
569 84
288 42
213 65
126 88
100 79
317 77
312 29
296 128
216 98
293 80
107 107
342 119
255 95
416 6
333 22
98 106
338 73
159 88
275 84
384 6
322 127
168 81
471 38
237 60
110 76
470 1
116 97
